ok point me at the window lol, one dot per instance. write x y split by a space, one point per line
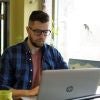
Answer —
4 10
79 28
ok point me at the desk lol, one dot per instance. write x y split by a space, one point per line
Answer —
35 98
98 90
29 98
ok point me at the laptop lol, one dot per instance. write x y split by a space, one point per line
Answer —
83 63
72 84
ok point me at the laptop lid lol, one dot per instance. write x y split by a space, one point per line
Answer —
68 84
82 63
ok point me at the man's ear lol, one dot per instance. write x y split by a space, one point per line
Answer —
27 28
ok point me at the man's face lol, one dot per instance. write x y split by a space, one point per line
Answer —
37 33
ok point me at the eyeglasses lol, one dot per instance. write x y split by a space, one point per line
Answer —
38 32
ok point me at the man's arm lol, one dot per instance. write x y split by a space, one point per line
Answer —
18 94
22 93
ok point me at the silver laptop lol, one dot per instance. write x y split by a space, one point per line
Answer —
72 84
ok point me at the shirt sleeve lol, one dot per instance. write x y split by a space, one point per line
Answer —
61 63
6 72
53 59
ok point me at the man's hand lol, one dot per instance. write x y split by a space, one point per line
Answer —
25 93
34 91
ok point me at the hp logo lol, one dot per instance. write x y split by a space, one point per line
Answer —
69 89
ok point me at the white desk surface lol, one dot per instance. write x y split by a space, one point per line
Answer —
29 98
35 98
98 90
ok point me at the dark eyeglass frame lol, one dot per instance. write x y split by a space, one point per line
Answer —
38 32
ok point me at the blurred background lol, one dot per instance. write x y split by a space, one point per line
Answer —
76 25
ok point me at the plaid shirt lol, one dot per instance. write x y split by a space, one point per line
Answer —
16 65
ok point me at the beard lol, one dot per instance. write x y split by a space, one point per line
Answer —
37 43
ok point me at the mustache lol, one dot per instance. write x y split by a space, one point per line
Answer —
40 39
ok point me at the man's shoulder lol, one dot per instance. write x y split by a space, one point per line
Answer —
22 44
51 49
16 45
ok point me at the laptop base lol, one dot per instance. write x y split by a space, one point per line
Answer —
90 97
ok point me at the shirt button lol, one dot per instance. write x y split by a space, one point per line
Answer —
30 59
30 81
31 70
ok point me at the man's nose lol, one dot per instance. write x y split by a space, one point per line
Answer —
42 34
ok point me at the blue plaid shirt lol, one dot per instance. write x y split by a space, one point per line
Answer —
16 65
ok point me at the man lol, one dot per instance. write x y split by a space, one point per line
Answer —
22 64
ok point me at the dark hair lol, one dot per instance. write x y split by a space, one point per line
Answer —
39 16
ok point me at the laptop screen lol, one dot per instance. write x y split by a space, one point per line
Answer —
81 63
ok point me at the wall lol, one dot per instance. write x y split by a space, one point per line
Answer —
19 13
16 21
28 8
